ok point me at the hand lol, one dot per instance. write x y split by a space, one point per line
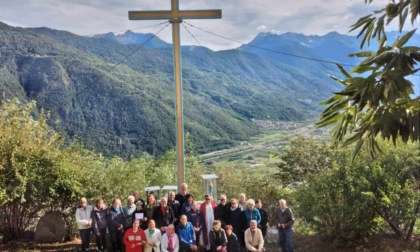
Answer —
219 248
133 245
98 234
193 247
144 219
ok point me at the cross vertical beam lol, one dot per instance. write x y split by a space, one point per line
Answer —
175 16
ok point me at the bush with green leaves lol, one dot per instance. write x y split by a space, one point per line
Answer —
354 199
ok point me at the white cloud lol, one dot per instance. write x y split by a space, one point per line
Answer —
262 28
241 19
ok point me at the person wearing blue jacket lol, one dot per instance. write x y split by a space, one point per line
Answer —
252 213
186 234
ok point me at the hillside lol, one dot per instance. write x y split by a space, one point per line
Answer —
118 99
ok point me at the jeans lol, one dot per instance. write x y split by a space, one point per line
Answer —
85 237
101 239
286 241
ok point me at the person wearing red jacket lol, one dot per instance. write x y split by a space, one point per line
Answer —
134 238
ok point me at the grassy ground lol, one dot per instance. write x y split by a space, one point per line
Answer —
303 243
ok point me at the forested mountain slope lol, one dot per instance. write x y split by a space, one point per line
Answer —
119 99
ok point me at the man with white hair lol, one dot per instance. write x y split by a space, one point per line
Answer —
242 201
183 191
163 215
254 240
284 222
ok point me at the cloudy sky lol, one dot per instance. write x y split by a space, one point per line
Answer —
241 20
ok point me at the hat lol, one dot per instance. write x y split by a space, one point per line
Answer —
139 203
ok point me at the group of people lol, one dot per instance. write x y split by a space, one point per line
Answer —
178 223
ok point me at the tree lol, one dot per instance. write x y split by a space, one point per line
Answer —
377 96
35 174
355 199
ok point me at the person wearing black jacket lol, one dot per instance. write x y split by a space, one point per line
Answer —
220 210
284 223
174 204
163 215
137 214
264 217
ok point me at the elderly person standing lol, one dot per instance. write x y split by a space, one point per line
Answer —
183 191
220 210
163 215
174 204
254 240
194 216
284 221
235 217
242 201
84 223
153 236
128 212
116 220
252 213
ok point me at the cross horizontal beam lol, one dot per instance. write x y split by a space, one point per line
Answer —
188 14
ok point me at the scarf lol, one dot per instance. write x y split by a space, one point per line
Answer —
116 209
151 232
233 208
171 242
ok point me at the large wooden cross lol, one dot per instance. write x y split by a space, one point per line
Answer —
175 16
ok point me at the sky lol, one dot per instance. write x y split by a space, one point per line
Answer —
242 20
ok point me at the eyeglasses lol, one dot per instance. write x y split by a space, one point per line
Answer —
222 199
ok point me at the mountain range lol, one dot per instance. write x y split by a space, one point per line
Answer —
117 97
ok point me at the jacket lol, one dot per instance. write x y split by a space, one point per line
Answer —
99 218
83 216
252 241
163 220
115 219
285 217
252 215
154 238
165 242
131 239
